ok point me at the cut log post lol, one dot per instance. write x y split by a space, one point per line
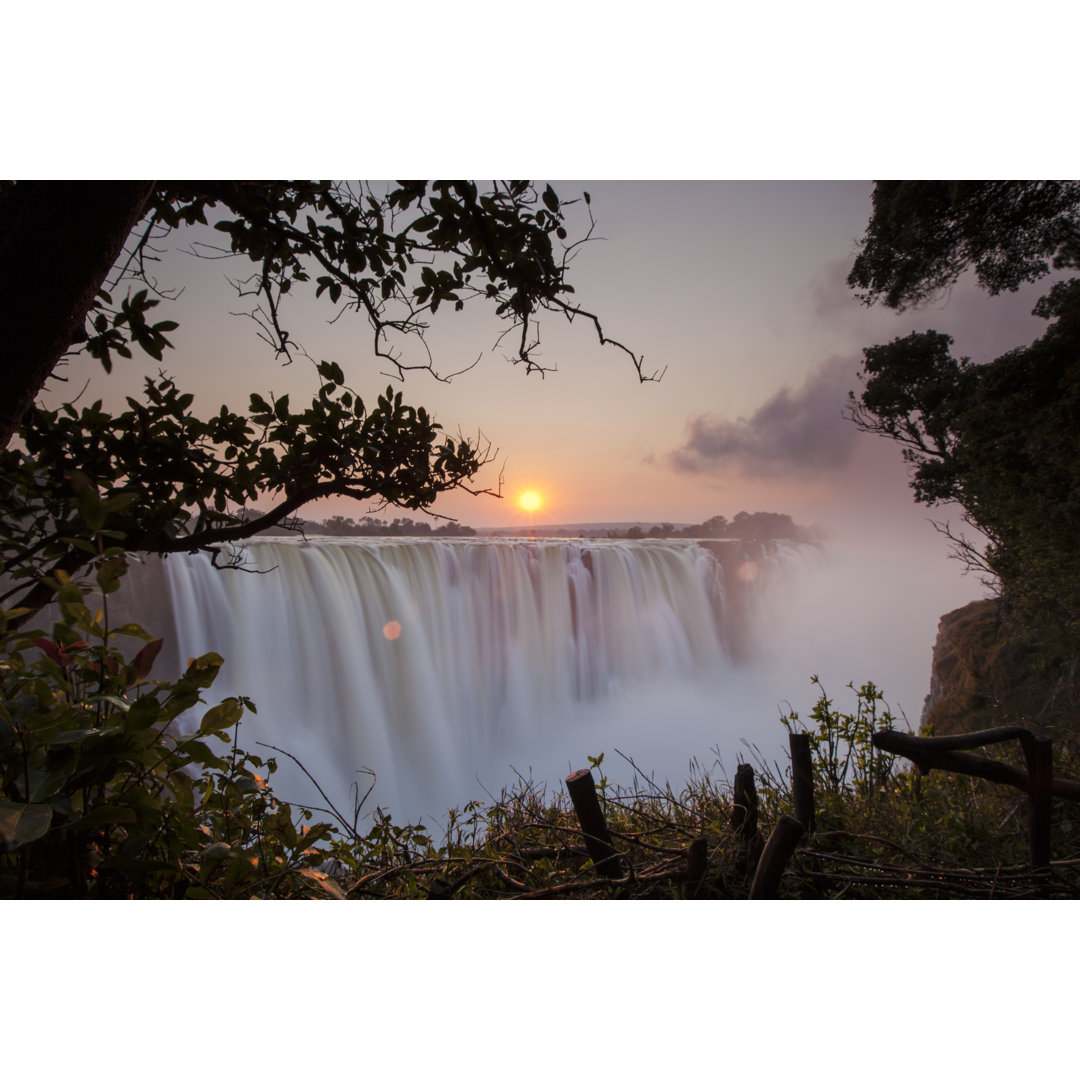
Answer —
744 810
744 820
590 816
802 778
782 842
1040 762
697 858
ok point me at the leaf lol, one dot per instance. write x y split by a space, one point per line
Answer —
332 371
22 823
144 659
44 783
131 630
551 200
324 881
200 753
109 574
221 716
91 507
203 670
142 714
49 648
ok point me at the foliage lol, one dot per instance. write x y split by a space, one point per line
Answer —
171 482
174 481
924 233
395 255
105 795
882 832
1000 439
111 788
844 757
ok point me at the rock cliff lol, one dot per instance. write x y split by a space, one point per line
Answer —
984 674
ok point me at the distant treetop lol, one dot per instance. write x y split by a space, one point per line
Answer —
761 525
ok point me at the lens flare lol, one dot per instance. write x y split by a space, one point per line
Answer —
749 570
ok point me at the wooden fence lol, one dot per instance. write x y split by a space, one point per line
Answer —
1037 781
766 861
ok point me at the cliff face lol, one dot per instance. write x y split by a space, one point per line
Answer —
984 674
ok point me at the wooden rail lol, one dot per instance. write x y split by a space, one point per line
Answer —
1037 781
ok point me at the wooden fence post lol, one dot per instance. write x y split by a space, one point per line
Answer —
697 857
802 778
744 809
744 820
1040 762
785 836
582 791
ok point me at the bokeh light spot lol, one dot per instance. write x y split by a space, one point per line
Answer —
749 570
392 630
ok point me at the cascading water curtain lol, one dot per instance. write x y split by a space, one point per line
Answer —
423 659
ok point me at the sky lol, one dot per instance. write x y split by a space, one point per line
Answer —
735 291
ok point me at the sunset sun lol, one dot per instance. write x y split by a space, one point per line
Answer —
529 501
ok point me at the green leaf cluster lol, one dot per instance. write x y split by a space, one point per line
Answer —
113 785
165 480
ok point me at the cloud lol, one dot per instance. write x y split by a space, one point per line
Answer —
795 432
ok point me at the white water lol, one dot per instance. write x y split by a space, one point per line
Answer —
446 665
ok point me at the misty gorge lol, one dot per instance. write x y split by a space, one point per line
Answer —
446 667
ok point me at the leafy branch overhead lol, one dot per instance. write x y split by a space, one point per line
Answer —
168 480
394 255
164 480
924 233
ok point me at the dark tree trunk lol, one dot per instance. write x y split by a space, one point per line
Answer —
58 240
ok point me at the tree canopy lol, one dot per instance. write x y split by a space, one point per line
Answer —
1001 439
78 274
924 233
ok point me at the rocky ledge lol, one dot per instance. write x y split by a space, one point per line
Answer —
984 674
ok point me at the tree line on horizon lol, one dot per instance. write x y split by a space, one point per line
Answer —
339 525
760 525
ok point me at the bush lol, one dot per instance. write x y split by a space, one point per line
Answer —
109 785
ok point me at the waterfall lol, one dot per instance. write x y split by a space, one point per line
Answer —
439 663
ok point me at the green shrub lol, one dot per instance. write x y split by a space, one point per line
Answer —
112 784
